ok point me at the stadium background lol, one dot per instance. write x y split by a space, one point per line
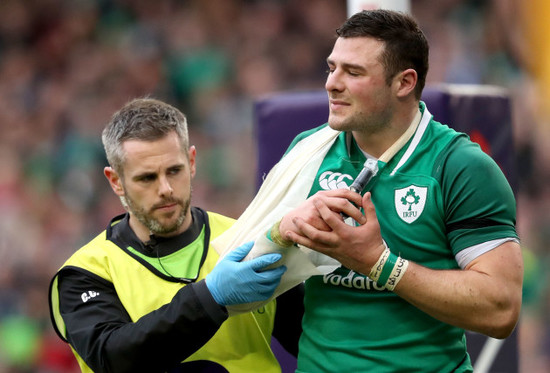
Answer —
67 65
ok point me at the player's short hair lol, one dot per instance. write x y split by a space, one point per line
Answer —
405 44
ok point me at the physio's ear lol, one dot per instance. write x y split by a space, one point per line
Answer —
405 82
114 180
192 155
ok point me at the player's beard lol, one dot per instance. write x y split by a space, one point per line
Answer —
147 218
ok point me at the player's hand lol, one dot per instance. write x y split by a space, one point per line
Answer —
235 282
338 201
356 247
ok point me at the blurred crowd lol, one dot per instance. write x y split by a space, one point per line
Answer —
67 65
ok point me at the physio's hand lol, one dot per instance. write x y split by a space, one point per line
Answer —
235 282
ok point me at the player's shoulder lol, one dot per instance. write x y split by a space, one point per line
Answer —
305 134
463 152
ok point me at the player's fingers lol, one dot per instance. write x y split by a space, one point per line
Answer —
342 193
314 238
334 215
347 206
368 207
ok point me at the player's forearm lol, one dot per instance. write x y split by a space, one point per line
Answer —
465 298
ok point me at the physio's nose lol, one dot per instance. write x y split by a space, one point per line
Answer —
165 188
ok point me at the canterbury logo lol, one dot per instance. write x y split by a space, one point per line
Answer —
334 180
86 296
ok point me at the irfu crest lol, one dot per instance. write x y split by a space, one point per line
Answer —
409 202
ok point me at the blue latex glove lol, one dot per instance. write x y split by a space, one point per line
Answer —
235 282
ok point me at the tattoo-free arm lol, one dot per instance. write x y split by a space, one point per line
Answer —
484 297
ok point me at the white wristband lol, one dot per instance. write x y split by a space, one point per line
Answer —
390 267
397 273
376 269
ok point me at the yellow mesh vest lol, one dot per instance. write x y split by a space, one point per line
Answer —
242 344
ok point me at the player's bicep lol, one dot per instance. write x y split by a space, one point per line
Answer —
503 267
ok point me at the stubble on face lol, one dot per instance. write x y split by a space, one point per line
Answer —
346 122
154 225
361 122
359 95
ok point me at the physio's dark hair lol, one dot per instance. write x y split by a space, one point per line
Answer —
143 119
406 46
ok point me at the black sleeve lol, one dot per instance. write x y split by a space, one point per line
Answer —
101 331
288 319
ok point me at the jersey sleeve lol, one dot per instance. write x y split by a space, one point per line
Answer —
101 331
478 200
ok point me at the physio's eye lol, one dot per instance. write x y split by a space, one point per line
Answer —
174 170
147 178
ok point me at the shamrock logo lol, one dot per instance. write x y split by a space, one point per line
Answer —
410 202
410 198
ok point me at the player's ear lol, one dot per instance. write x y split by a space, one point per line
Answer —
114 180
405 82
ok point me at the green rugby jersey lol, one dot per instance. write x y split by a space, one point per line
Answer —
439 195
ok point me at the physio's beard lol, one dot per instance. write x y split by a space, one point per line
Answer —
148 220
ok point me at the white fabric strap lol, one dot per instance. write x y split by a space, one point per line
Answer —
285 187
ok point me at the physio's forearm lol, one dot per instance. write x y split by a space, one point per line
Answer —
162 338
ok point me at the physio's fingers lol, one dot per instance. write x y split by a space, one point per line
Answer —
238 254
273 274
263 261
